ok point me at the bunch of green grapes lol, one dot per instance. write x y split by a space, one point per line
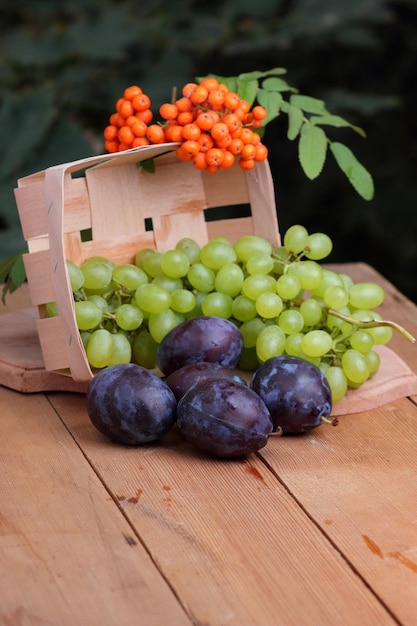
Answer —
282 299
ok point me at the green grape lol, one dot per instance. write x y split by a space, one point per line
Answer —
75 275
335 322
347 281
248 361
85 336
99 301
337 380
355 366
144 349
291 321
128 316
336 297
374 361
175 263
102 259
268 305
260 264
129 276
201 277
319 246
97 275
122 350
52 309
87 314
316 343
380 334
151 263
309 273
190 248
361 340
281 257
293 344
296 239
288 286
366 295
229 279
215 254
243 309
99 348
152 298
160 324
168 283
270 342
312 311
183 301
219 304
251 245
250 331
141 256
328 278
253 286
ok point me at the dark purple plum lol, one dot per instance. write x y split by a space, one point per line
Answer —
296 393
204 338
224 418
130 405
182 379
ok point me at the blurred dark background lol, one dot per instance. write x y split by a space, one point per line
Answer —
64 64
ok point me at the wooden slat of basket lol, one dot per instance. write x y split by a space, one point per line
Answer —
53 340
38 272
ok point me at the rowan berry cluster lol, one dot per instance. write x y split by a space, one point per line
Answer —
212 124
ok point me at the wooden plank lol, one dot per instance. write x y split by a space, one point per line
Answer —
358 482
68 556
233 543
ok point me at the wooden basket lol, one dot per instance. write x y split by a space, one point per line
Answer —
114 199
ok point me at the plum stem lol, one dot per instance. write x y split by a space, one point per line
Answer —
332 422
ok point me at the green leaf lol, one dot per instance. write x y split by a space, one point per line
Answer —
275 84
148 165
312 149
335 120
247 88
12 274
309 104
358 175
272 101
295 119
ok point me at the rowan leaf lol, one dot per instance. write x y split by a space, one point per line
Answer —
295 119
357 174
308 104
312 149
272 101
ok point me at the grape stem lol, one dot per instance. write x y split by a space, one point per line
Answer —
373 324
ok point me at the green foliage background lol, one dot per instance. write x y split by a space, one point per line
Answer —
63 65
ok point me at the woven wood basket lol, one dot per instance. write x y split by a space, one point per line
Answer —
115 198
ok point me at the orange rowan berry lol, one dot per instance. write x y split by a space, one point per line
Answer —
168 111
124 146
219 131
129 121
205 120
232 121
182 154
111 146
205 141
259 112
132 92
215 97
140 141
247 135
119 103
244 105
231 100
126 108
228 159
256 139
240 113
188 89
247 164
199 95
225 142
257 123
199 161
212 169
185 117
214 156
210 83
146 115
236 146
248 152
183 104
155 133
141 102
139 128
125 135
191 131
173 132
222 87
117 120
261 152
110 132
190 147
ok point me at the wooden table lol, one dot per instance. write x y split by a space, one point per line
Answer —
314 530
